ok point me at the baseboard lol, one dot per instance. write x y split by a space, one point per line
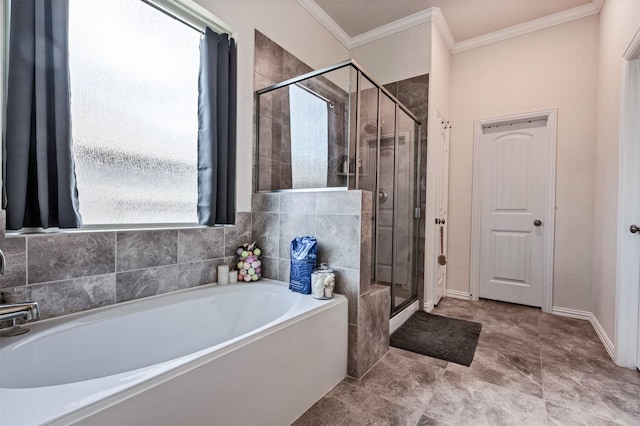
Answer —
571 313
458 294
588 316
608 344
428 307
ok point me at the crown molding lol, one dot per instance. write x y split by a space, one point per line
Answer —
568 15
434 14
327 21
386 30
443 29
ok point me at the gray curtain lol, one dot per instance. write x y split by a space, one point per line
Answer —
39 175
217 129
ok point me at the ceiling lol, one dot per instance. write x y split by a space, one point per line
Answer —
355 21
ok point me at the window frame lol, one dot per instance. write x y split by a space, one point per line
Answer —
186 11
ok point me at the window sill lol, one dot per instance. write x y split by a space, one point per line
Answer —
109 228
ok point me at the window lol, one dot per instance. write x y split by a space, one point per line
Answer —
134 100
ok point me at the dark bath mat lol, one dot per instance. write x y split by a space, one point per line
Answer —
440 337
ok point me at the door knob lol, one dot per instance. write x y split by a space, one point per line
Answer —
634 229
537 222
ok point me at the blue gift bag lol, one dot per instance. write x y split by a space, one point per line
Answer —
304 251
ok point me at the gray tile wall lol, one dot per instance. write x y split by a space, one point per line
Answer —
273 64
341 221
74 272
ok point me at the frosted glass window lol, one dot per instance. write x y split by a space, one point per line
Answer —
309 135
134 100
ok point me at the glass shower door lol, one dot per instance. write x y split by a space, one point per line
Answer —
387 159
405 222
385 193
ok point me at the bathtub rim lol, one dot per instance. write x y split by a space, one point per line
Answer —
138 388
187 362
36 326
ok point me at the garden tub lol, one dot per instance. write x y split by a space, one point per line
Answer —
253 353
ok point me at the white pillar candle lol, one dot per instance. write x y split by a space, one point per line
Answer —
223 274
233 276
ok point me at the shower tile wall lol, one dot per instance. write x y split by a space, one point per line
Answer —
273 64
74 272
341 221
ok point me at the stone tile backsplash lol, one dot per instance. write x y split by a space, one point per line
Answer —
146 282
333 217
75 272
78 294
146 249
200 244
65 256
341 222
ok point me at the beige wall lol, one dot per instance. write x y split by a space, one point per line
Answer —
551 68
439 100
289 25
619 21
398 56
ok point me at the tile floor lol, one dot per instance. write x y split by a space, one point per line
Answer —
529 368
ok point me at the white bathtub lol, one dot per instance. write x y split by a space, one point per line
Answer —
252 353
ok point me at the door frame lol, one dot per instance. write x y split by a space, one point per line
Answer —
626 338
439 176
549 216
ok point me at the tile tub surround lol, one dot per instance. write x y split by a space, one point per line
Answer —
341 221
74 272
530 368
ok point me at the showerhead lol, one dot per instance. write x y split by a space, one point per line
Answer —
372 129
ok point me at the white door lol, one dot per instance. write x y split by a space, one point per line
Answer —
513 205
442 207
630 190
627 327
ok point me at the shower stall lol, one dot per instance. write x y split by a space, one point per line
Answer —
335 129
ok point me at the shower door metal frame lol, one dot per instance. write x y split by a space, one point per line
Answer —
360 73
414 152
